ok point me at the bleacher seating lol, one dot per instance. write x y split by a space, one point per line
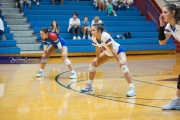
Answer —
8 46
144 34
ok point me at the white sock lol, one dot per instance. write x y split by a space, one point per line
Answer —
177 97
89 36
41 70
89 81
131 85
73 71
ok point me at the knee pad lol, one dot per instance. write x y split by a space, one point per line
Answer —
92 68
178 83
124 69
67 61
43 60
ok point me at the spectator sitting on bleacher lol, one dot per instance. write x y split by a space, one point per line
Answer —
74 26
115 4
101 4
1 29
37 2
96 21
54 27
110 9
123 5
24 3
61 1
86 27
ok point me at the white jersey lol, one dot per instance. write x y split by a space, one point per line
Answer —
106 39
175 32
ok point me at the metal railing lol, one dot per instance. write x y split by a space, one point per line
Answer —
148 7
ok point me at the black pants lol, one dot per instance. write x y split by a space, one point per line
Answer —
1 34
74 30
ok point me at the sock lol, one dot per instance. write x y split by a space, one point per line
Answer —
89 36
177 97
89 81
41 70
73 71
131 85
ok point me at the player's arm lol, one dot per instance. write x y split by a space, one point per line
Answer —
98 52
113 51
163 37
45 47
55 39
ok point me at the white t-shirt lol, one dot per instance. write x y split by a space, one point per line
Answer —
72 21
99 21
1 25
106 39
175 32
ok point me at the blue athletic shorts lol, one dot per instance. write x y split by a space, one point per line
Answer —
63 43
121 49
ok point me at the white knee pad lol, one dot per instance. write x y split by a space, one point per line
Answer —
43 60
67 61
124 69
92 68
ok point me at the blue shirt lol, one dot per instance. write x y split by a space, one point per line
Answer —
85 23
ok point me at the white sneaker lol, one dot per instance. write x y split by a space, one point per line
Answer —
37 3
87 88
131 92
40 74
84 37
175 104
78 37
89 37
74 38
73 76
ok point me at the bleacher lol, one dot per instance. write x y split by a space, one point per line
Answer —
8 46
144 34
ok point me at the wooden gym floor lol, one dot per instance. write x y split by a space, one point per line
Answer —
55 97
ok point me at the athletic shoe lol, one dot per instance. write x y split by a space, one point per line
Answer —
89 37
175 104
37 3
78 37
131 92
73 76
84 38
74 38
87 88
40 74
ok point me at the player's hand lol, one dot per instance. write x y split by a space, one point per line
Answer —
162 22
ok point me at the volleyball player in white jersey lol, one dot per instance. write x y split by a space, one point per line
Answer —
102 40
171 15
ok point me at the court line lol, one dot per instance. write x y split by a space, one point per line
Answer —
98 96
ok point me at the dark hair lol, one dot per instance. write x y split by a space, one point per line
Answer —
99 27
56 23
75 13
176 8
45 30
85 16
